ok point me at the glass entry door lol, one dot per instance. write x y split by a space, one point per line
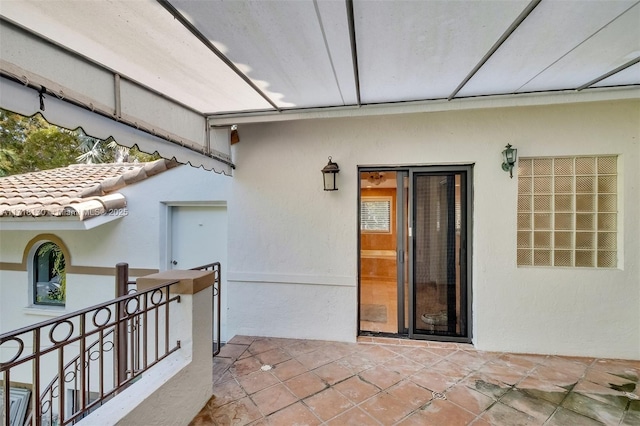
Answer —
413 265
438 221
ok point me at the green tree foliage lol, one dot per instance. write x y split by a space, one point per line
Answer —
29 144
48 148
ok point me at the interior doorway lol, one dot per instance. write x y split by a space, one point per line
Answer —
414 234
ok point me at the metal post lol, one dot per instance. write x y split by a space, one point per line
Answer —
122 278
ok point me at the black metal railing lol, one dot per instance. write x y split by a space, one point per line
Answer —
74 363
216 302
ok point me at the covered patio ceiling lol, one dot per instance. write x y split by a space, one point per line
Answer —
236 61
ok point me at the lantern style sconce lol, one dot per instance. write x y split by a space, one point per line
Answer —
329 173
509 157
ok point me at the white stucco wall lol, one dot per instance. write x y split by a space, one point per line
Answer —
137 239
293 247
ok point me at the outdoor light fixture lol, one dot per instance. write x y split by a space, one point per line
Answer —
329 173
509 157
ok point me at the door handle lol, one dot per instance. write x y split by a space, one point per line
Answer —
173 262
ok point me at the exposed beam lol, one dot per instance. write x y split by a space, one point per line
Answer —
610 73
631 92
354 49
523 15
204 40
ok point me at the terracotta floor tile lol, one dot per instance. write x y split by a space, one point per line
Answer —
288 369
356 363
591 408
481 388
500 414
386 408
564 417
262 345
305 385
554 376
315 359
231 350
439 413
333 373
227 391
566 365
226 376
399 349
273 356
450 369
603 378
601 393
440 350
296 414
470 360
537 408
242 340
378 354
340 349
328 404
302 347
617 366
413 395
525 362
403 366
543 390
631 418
486 385
245 366
423 357
356 390
380 376
353 417
237 413
273 399
469 399
257 381
501 371
478 422
433 381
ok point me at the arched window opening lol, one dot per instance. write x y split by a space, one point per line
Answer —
49 275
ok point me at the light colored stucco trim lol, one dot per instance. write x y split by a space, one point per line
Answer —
82 270
254 277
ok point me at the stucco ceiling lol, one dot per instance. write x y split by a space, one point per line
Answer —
221 57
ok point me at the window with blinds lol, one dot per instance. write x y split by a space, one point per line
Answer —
375 214
568 212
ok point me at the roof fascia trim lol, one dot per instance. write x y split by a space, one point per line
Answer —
439 105
54 223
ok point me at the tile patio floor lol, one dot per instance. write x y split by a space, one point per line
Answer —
404 382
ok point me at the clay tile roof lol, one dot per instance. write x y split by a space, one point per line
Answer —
80 190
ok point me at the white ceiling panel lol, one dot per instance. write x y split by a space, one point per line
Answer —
553 29
411 50
140 40
299 53
279 45
613 46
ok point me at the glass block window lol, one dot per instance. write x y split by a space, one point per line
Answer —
567 212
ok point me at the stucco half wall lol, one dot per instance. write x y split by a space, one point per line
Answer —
293 247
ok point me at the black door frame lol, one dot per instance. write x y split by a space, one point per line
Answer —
402 256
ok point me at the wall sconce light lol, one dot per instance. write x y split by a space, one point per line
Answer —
509 157
329 173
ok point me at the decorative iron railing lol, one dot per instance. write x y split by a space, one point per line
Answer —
216 302
74 363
